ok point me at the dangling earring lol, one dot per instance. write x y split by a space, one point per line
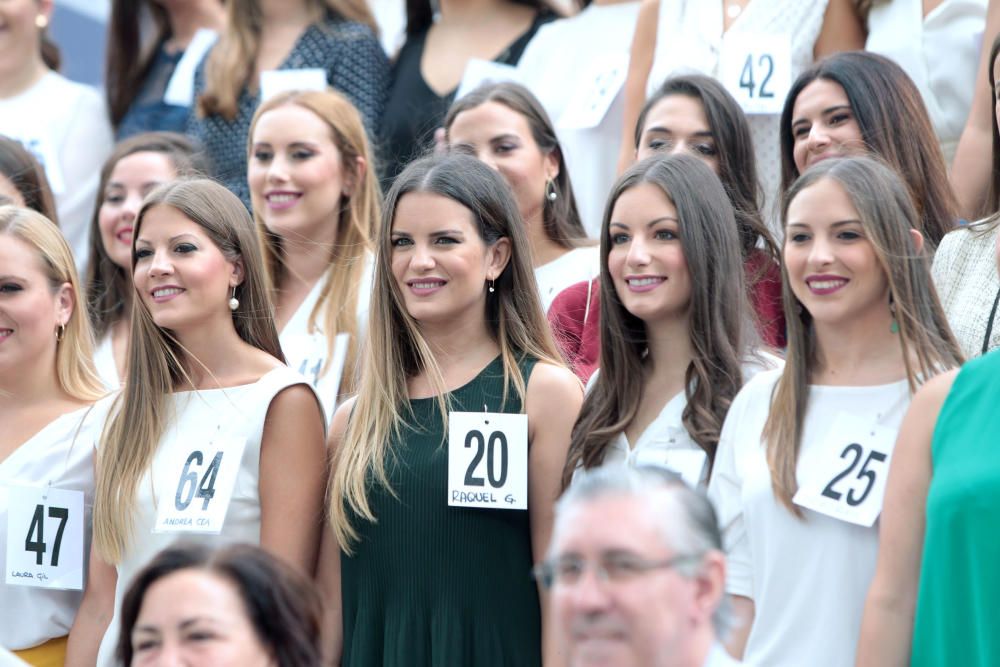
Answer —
234 303
894 327
491 286
550 190
41 22
60 333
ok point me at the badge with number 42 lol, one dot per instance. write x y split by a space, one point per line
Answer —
757 70
198 500
845 477
488 460
45 538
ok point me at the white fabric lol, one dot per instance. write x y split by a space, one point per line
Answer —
939 52
571 268
197 417
60 455
965 275
66 123
8 659
719 658
689 39
808 577
104 360
300 342
666 434
554 67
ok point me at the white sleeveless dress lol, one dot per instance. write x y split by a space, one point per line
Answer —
201 420
689 40
60 456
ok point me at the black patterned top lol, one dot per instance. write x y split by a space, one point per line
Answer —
355 65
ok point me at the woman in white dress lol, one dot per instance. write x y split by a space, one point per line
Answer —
677 337
315 200
136 167
505 126
212 438
48 385
801 464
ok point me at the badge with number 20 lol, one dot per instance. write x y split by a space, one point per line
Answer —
488 460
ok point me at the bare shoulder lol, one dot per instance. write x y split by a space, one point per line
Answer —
297 401
341 417
552 386
930 397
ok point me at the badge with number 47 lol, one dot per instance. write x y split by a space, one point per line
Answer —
488 460
845 477
757 70
199 499
45 538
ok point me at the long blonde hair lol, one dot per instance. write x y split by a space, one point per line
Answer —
355 224
396 349
75 369
157 361
231 62
887 215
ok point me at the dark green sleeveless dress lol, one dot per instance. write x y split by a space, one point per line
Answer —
433 585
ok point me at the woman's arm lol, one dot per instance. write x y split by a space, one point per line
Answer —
887 625
95 613
843 29
293 478
743 615
553 400
640 64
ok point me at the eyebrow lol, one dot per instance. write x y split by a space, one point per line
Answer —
170 240
649 224
443 232
839 223
13 277
293 144
667 130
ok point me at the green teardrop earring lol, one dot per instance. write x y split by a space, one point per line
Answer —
894 327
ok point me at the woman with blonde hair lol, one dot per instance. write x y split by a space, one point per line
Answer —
801 464
262 41
458 352
47 385
212 437
315 201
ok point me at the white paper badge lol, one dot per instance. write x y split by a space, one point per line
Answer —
845 476
756 69
180 88
276 81
594 92
45 537
488 460
41 146
205 476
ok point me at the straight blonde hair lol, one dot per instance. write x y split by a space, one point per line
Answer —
157 360
887 215
396 349
338 300
231 62
75 369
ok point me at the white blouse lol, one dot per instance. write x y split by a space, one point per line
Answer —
573 267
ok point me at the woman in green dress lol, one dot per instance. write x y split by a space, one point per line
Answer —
447 464
935 598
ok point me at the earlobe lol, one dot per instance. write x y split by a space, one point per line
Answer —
499 257
238 272
352 177
918 240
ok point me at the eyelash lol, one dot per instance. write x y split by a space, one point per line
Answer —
182 248
11 287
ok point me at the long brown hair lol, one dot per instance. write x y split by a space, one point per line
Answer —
396 349
25 173
991 207
108 285
718 319
157 360
355 224
231 62
560 218
894 126
128 60
887 215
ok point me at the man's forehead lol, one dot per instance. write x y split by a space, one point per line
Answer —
611 522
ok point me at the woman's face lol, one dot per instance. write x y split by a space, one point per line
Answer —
501 137
439 261
832 266
646 260
824 125
296 174
195 618
19 33
677 124
180 274
30 311
131 179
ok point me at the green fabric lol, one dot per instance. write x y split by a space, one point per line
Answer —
958 604
433 585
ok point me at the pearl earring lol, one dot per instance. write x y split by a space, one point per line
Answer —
234 303
550 191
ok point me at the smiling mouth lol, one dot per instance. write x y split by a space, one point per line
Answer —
164 292
644 282
282 198
125 236
826 286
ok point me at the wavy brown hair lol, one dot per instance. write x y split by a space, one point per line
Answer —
718 317
894 126
230 64
887 215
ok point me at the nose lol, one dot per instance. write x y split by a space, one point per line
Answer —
168 655
638 254
820 252
819 138
277 170
160 265
590 592
487 158
422 259
679 147
130 208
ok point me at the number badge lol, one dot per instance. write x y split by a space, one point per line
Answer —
205 479
45 538
488 460
757 70
845 477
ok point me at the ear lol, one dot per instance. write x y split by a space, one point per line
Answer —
354 175
711 585
238 274
918 240
551 161
65 304
45 8
497 258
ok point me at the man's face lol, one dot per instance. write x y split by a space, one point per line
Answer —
636 615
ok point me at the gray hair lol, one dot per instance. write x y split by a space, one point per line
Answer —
685 517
